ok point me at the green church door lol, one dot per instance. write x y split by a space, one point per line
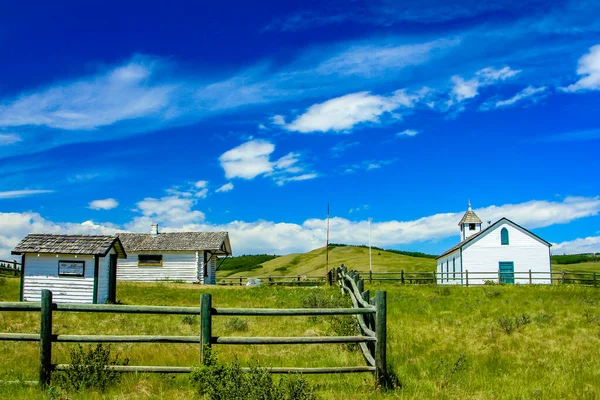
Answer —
507 272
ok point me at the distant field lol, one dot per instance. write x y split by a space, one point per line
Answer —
580 267
313 262
488 342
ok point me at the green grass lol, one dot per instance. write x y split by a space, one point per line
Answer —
488 342
313 262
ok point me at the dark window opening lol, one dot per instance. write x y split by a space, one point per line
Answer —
147 260
471 227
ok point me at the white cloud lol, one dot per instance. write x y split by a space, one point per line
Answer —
253 158
342 113
590 244
105 204
408 132
367 165
201 184
9 138
11 194
589 67
529 92
123 93
467 89
176 214
225 188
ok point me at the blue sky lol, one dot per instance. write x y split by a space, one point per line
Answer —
252 117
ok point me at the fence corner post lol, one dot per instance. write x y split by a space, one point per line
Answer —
205 326
45 338
381 335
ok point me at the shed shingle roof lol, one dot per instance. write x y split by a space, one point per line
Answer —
176 241
70 244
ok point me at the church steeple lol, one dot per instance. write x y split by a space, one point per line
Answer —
470 224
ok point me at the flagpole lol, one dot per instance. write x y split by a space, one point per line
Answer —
327 245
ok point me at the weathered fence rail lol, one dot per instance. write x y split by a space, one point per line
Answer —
10 267
468 278
205 340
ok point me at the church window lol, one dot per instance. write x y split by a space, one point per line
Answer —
471 227
504 236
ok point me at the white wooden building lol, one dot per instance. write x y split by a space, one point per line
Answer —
176 256
75 268
504 251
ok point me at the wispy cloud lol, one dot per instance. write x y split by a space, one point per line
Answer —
103 204
408 132
530 93
11 194
579 135
9 138
225 188
589 67
367 165
342 147
253 158
342 113
467 89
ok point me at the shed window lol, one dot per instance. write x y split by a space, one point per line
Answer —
471 227
71 268
150 260
504 236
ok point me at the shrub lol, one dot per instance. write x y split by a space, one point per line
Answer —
89 369
237 324
189 320
508 325
446 371
216 381
443 291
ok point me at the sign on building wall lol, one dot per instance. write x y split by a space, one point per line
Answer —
71 268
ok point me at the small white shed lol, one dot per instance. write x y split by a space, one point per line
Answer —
504 251
75 268
172 256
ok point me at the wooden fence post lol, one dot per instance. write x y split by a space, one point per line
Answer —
467 277
435 277
15 268
205 325
530 278
241 280
361 285
370 276
594 278
46 338
380 334
329 277
402 276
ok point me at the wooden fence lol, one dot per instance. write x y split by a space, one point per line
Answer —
289 280
10 267
206 312
467 278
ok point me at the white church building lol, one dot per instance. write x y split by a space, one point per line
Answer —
502 252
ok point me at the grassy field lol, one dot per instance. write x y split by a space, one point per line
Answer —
313 262
489 342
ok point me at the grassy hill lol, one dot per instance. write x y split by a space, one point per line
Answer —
313 262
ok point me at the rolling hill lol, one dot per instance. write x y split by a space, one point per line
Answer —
313 262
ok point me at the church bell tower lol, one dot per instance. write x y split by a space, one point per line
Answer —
470 224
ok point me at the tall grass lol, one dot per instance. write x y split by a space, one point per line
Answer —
501 342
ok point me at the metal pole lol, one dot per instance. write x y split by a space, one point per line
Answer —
370 258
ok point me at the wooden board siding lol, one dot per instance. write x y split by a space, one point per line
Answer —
42 273
528 253
446 276
176 266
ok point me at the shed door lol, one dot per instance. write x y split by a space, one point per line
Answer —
112 279
507 271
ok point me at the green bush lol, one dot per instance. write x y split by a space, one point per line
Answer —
236 324
216 381
189 320
88 369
